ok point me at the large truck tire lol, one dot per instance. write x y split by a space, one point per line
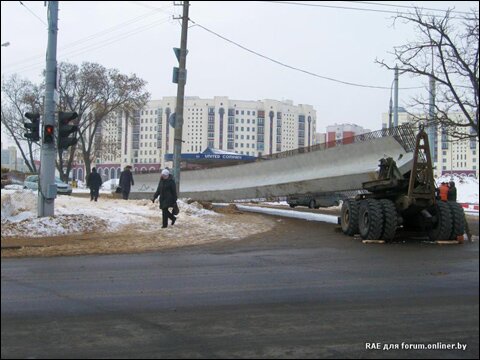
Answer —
349 217
458 220
442 226
389 220
370 222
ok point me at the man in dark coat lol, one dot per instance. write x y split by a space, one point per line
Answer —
126 181
452 192
94 181
168 196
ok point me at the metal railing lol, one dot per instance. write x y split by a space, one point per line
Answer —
404 134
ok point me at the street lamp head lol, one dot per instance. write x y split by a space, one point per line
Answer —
6 44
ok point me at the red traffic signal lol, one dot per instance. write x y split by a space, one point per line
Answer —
48 134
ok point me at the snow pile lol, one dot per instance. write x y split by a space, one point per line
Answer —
467 187
19 218
80 215
195 209
18 205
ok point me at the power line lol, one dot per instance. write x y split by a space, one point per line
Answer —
109 30
344 8
35 59
293 67
106 31
117 38
31 12
37 62
101 44
407 7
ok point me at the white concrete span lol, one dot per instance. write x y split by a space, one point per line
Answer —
340 168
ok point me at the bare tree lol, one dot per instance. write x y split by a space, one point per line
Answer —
447 50
18 97
95 92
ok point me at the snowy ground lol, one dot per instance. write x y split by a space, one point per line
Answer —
115 225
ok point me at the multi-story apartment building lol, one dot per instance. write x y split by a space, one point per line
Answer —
457 156
450 156
253 128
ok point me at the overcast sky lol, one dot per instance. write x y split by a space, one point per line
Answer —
138 37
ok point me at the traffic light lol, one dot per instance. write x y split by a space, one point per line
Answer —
64 129
48 134
33 128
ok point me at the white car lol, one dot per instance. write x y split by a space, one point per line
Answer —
31 182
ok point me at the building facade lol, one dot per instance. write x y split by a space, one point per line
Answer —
451 156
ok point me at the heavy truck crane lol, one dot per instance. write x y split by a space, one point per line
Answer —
395 200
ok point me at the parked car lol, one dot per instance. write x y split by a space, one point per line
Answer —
31 182
313 201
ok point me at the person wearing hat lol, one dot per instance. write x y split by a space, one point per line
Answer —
126 181
167 191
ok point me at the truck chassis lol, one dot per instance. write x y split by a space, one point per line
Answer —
407 201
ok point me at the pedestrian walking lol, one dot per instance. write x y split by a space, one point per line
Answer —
452 192
168 196
94 181
126 181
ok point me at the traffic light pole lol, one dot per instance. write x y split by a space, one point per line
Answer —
47 187
182 78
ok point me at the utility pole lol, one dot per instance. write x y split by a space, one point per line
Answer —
47 187
395 98
182 79
390 111
432 128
